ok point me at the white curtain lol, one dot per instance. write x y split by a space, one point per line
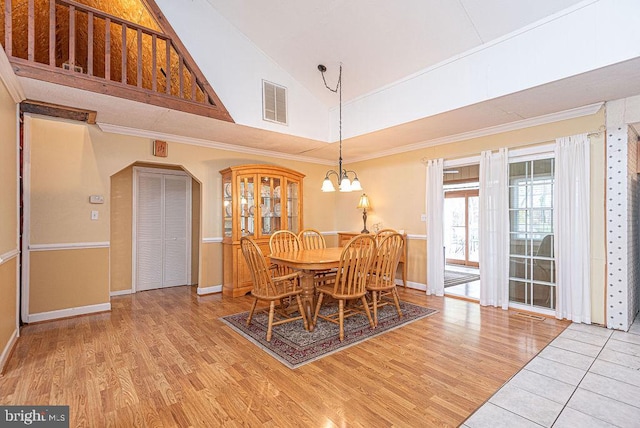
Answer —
435 237
571 217
494 229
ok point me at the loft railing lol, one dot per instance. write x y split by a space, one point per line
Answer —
86 47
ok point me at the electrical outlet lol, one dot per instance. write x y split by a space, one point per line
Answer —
94 215
423 217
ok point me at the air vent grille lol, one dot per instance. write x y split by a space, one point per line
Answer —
274 102
530 316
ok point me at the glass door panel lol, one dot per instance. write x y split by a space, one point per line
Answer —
246 207
455 234
293 207
227 206
461 235
473 207
270 205
532 268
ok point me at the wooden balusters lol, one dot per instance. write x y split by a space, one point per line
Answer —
38 48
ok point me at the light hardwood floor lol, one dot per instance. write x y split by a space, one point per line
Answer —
163 358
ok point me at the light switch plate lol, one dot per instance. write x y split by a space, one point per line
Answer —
94 215
423 217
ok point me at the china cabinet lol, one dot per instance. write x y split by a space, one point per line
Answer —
257 200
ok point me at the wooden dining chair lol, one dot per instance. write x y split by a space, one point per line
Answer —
271 289
350 282
383 233
382 274
283 241
311 239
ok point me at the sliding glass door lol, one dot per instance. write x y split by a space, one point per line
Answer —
532 274
461 227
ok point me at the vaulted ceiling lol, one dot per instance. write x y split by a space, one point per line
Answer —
416 72
378 41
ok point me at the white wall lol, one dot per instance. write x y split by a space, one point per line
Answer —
594 35
590 35
235 67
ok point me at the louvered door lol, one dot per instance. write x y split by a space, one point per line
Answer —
163 230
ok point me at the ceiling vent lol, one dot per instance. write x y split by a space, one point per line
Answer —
274 102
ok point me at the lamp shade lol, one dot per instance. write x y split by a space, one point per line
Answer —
364 202
355 185
327 186
345 184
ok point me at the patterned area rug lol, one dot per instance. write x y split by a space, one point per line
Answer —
452 278
293 346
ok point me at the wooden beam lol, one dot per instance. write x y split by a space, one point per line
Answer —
163 23
107 49
154 63
8 30
90 44
56 110
52 33
139 62
72 38
31 34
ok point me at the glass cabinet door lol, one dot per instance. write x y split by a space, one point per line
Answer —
270 208
227 206
293 206
247 205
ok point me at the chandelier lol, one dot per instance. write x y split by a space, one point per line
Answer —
345 184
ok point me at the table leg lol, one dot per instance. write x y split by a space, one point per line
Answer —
307 296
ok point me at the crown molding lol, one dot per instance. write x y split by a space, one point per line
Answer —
10 80
134 132
492 130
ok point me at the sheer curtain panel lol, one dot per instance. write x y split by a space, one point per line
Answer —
435 237
494 229
572 218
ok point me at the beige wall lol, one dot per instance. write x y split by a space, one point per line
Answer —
120 250
86 161
8 310
8 175
120 254
8 219
83 159
64 279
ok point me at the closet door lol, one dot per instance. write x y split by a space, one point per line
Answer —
163 230
177 228
149 259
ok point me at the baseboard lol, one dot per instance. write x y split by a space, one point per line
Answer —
414 285
70 312
6 352
120 292
209 290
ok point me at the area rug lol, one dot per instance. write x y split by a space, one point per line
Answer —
452 278
293 346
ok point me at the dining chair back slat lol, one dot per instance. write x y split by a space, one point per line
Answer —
280 242
311 239
382 274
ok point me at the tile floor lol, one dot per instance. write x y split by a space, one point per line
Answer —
587 377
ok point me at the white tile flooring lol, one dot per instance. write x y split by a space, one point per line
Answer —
587 377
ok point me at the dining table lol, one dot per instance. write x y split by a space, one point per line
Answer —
308 262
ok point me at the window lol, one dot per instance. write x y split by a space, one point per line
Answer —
532 276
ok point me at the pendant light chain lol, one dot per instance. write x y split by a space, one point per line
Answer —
344 183
338 89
